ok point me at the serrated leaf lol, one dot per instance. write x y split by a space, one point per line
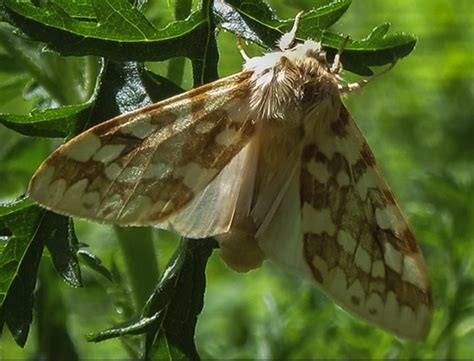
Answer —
19 261
376 49
170 315
322 17
61 241
117 30
27 227
173 338
255 21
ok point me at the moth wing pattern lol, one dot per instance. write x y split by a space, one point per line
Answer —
358 246
143 166
213 211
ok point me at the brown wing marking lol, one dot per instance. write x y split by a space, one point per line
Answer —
143 166
356 241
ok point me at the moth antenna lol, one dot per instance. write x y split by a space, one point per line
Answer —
288 39
348 88
336 67
241 49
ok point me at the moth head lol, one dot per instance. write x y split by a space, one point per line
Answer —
290 81
313 49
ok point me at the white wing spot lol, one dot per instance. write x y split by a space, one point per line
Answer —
338 283
374 304
411 272
184 108
351 148
319 171
342 179
55 191
355 292
108 153
91 200
362 259
317 221
42 181
139 127
387 218
393 258
346 241
112 171
367 181
82 149
157 170
74 193
193 172
378 269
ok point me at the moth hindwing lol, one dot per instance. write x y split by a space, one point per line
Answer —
270 162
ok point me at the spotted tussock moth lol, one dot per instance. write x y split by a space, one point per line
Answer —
269 162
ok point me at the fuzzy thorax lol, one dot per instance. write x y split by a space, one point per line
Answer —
290 83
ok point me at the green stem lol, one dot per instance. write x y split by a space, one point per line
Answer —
140 261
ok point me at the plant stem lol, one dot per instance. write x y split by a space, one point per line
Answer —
140 261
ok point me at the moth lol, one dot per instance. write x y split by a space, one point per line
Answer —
269 162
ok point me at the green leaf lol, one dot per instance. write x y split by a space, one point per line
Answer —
256 22
127 86
55 122
19 259
50 73
376 49
11 88
62 244
26 228
173 338
170 315
117 30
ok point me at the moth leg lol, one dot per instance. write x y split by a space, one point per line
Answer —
348 88
241 49
287 40
336 67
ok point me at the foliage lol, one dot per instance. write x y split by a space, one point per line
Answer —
92 69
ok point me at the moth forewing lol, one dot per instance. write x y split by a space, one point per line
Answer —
144 166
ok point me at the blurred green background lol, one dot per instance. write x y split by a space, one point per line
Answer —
419 121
